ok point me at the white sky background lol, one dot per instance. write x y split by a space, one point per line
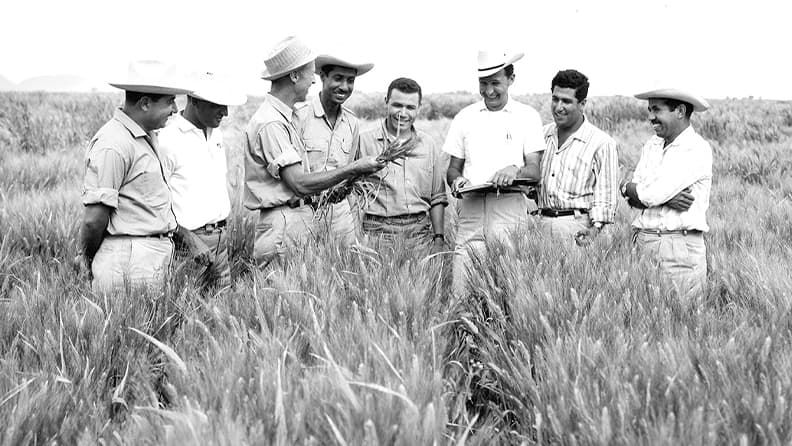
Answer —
715 48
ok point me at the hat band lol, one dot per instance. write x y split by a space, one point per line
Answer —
491 68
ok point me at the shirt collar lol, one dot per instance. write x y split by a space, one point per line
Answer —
319 111
184 124
507 108
383 132
583 133
284 109
133 127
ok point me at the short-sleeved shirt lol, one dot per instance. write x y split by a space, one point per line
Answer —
664 171
272 144
491 140
412 187
195 165
123 171
327 147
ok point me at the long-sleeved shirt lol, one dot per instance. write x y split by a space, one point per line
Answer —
663 172
413 187
581 174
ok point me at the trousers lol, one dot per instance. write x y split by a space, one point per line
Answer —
136 261
682 259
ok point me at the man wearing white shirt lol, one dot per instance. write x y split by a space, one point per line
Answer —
495 141
671 186
195 161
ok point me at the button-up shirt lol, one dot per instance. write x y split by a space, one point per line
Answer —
581 174
123 172
272 143
491 140
412 187
195 165
663 172
327 147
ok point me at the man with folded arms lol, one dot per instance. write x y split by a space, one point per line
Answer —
411 193
671 186
491 141
330 132
580 166
128 221
277 183
195 162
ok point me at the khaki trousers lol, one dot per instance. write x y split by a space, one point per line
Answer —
564 228
339 223
134 261
408 227
682 258
483 217
218 274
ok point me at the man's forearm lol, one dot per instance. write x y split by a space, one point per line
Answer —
312 183
452 174
91 238
437 215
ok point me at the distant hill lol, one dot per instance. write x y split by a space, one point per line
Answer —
6 84
67 83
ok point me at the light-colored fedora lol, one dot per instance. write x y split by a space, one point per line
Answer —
214 89
324 59
699 104
490 62
152 76
287 55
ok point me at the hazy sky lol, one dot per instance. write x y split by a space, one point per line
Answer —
716 48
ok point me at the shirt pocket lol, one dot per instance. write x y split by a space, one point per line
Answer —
316 154
148 187
340 148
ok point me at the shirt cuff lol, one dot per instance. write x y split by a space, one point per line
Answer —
439 199
283 160
601 214
102 195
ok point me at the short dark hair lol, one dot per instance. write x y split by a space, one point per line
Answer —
674 103
509 70
133 97
572 79
405 85
326 69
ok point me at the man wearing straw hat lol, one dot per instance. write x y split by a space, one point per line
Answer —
410 197
491 141
671 187
330 132
128 222
194 158
276 182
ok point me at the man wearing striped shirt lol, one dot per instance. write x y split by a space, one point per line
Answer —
580 171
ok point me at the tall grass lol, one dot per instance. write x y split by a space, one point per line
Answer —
553 345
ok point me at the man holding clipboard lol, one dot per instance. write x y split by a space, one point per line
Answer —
493 141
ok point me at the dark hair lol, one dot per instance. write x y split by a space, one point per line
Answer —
508 70
572 79
133 97
405 85
326 69
674 103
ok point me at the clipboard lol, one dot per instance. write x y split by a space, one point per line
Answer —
519 185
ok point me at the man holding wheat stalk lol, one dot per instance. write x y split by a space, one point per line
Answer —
330 132
493 142
277 183
410 194
671 187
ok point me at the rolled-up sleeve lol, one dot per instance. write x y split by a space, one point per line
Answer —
535 134
454 141
439 168
104 175
277 148
679 170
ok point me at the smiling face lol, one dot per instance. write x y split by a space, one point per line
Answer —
495 90
208 113
158 111
338 84
402 109
567 111
305 78
667 123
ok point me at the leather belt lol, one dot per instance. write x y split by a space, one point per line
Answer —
562 212
212 227
397 219
672 232
168 234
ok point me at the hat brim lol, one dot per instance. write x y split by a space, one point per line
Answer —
153 89
324 60
699 104
220 99
489 71
267 76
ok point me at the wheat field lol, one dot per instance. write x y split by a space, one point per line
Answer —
554 345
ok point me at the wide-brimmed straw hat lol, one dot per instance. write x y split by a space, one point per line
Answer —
155 77
490 62
699 104
324 59
217 90
287 55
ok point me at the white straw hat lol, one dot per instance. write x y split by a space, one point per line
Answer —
699 104
324 59
151 76
288 54
216 90
490 62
